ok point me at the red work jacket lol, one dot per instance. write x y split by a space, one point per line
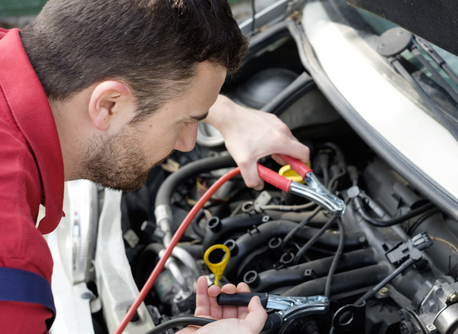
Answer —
31 173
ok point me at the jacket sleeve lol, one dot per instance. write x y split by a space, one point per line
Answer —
21 245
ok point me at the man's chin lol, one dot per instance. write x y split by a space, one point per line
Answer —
127 186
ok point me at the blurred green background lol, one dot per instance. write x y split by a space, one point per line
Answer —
20 7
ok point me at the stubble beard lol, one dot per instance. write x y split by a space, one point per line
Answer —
117 163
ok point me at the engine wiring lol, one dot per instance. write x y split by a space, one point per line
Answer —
314 239
335 261
288 237
288 207
446 243
175 239
359 206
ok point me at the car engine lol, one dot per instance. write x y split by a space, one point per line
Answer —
388 264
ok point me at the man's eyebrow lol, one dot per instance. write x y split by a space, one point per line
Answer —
200 117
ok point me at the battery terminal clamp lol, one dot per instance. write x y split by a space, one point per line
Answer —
313 191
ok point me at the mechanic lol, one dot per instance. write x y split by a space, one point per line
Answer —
105 90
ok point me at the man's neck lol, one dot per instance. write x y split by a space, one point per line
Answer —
72 131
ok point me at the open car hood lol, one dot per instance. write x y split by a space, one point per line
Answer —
433 20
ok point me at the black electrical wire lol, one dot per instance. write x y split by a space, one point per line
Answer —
421 220
385 281
359 206
335 261
181 321
300 225
314 239
310 243
332 185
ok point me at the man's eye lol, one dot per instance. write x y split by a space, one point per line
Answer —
187 123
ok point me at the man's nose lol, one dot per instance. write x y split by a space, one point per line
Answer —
187 138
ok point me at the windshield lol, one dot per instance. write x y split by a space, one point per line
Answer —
381 25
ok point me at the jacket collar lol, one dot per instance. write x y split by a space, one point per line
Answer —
32 112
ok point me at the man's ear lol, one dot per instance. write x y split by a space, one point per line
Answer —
110 102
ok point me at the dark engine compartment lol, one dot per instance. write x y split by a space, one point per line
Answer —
379 278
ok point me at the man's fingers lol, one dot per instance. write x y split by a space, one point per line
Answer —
279 160
250 175
296 150
229 288
202 298
243 288
256 316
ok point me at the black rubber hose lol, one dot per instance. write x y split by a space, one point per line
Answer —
195 250
358 204
227 227
181 321
167 188
249 243
294 275
146 263
335 261
195 225
343 282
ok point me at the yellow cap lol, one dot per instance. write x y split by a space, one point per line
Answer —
290 174
217 268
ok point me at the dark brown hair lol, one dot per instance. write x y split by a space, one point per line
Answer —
151 45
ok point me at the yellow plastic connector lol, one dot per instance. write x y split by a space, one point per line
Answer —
290 174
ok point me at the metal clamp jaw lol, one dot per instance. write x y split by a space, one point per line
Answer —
313 191
302 306
317 193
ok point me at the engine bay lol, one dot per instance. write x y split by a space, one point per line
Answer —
387 265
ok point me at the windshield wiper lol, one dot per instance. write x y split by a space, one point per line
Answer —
391 44
437 58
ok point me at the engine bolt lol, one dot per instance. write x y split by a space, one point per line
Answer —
452 298
431 328
383 291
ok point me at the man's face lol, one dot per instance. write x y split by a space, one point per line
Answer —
122 161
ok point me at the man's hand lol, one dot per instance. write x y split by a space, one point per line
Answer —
252 134
231 319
